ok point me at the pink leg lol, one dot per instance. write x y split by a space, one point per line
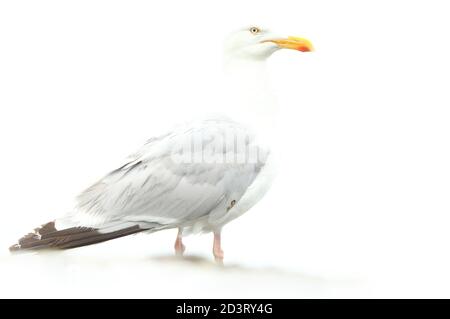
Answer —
179 247
217 250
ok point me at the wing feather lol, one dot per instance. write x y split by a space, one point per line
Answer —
153 187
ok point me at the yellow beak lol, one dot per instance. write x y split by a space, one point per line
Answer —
294 43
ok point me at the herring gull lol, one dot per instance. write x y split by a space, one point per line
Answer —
196 178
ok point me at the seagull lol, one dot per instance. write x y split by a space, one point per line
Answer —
197 177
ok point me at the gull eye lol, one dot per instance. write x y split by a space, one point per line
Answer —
254 30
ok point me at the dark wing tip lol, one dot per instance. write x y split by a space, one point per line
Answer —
48 237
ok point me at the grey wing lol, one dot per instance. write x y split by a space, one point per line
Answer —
156 187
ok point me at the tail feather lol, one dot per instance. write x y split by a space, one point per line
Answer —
47 236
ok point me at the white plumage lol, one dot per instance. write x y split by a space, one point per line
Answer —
196 178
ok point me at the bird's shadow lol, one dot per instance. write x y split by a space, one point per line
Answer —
206 263
192 262
52 259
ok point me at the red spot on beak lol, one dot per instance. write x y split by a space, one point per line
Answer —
304 49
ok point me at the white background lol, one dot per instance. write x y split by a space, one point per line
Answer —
361 207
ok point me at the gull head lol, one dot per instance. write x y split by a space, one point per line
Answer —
256 43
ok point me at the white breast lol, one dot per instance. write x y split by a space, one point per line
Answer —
256 191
